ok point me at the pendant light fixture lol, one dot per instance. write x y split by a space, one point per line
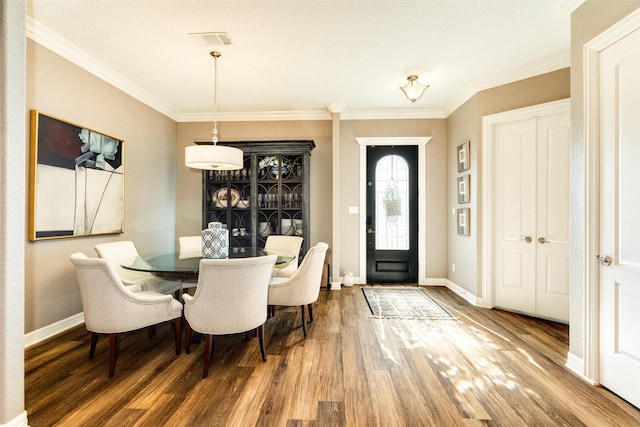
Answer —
213 157
413 90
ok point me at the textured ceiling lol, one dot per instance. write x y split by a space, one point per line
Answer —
293 58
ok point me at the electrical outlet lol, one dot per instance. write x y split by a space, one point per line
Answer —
453 267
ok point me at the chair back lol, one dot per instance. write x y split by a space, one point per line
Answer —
231 295
189 246
305 282
114 252
101 292
285 243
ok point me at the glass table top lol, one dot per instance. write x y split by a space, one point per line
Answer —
188 262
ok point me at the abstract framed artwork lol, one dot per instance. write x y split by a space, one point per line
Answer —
463 221
76 180
464 161
464 195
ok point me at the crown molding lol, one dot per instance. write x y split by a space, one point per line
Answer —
533 69
61 46
264 116
430 113
255 116
569 6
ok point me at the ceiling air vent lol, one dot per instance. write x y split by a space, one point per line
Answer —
212 39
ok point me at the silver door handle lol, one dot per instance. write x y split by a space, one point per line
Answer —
370 230
605 260
527 239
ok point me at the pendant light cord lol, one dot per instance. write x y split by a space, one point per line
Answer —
215 55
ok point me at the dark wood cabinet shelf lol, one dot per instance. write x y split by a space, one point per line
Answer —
270 195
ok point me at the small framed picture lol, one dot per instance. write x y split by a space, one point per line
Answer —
464 195
464 161
463 221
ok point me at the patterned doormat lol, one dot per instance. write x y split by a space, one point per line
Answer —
393 302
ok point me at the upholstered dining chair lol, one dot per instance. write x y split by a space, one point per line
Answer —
110 308
290 244
303 286
190 245
231 297
114 252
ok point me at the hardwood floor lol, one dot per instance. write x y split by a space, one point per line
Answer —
489 368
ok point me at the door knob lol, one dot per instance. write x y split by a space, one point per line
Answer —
370 230
542 240
605 260
527 239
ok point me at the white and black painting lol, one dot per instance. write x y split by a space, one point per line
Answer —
76 180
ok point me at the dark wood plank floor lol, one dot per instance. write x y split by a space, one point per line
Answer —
489 368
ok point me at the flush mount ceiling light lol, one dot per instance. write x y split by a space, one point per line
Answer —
413 90
213 157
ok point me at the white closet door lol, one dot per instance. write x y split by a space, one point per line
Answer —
515 215
531 224
552 231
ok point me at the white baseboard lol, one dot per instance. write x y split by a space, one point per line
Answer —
433 281
576 365
19 421
51 330
462 292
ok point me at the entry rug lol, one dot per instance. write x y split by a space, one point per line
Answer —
393 302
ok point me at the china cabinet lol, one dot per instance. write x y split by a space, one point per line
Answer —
270 195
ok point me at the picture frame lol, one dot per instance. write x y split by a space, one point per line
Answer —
464 159
76 180
463 221
464 190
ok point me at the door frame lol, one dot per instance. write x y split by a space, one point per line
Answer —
591 226
489 123
421 142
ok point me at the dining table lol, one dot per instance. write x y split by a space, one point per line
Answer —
184 265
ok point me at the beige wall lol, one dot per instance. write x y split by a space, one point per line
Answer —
462 251
588 21
189 181
435 187
465 124
58 88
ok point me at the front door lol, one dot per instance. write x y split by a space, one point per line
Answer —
620 218
392 214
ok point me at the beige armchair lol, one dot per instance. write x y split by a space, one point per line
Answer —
303 287
110 308
231 297
285 243
188 246
114 252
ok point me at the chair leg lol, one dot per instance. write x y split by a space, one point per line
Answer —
310 313
187 337
94 341
304 323
261 340
113 351
177 328
208 347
